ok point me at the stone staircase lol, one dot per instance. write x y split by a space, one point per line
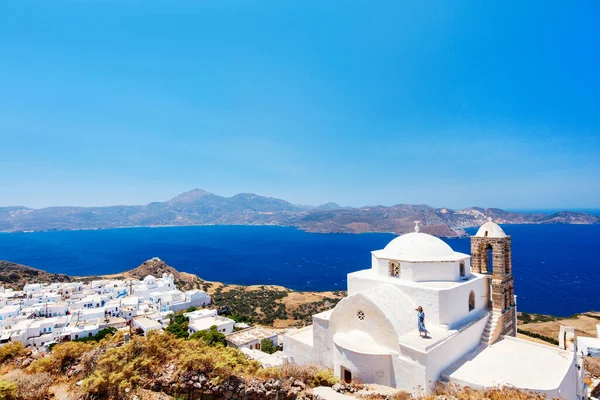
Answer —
490 327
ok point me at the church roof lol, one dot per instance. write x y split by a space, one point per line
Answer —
417 247
490 229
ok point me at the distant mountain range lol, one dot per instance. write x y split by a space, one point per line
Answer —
198 207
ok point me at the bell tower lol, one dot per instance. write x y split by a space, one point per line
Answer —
491 254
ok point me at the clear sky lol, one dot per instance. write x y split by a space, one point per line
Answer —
448 103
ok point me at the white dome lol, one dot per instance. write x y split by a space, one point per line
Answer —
490 229
417 247
149 279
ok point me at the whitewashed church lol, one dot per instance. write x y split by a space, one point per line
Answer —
470 312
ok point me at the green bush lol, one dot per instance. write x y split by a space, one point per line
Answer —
212 337
525 317
267 346
179 326
99 336
538 336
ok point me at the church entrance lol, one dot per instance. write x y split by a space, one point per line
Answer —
346 375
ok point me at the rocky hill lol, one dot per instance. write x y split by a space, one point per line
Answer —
15 276
198 207
156 267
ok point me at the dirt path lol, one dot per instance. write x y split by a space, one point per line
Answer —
61 392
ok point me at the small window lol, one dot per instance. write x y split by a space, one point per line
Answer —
360 315
394 269
462 269
471 301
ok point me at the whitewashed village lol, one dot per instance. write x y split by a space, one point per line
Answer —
44 314
371 336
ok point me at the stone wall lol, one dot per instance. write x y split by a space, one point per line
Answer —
194 386
502 281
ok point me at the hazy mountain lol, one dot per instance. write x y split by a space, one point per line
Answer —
198 207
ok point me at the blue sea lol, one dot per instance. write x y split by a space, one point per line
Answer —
556 267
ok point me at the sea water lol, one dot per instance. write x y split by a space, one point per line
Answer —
556 267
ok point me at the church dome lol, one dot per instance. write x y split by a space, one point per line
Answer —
490 229
418 247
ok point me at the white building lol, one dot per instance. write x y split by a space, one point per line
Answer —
223 325
147 325
372 334
251 338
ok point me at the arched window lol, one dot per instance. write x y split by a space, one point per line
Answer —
462 269
507 259
471 301
490 259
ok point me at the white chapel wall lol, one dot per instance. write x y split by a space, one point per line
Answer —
454 302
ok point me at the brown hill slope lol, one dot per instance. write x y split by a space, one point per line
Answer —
15 276
156 267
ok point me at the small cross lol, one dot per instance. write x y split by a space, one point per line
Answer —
489 219
417 226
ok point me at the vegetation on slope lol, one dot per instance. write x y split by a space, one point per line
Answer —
15 276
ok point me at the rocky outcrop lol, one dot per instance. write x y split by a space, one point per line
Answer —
194 385
156 267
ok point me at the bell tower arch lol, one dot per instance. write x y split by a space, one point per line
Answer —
491 254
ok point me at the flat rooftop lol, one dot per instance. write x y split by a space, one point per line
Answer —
304 335
248 335
512 361
205 323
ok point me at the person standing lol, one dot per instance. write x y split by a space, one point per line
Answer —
421 318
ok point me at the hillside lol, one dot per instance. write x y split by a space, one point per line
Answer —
15 276
198 207
270 305
156 267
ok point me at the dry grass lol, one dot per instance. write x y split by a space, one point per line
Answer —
584 326
312 375
30 387
467 393
592 366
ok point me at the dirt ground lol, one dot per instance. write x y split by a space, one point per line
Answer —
583 324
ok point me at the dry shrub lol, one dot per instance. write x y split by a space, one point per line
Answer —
141 360
592 366
8 390
312 375
63 356
401 395
497 393
30 387
11 350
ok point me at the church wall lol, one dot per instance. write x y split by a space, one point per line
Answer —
371 368
450 351
423 272
409 375
375 323
428 298
454 302
302 353
322 342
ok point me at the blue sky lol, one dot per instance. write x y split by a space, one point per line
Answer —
449 103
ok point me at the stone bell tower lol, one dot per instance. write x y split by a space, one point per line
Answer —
491 254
